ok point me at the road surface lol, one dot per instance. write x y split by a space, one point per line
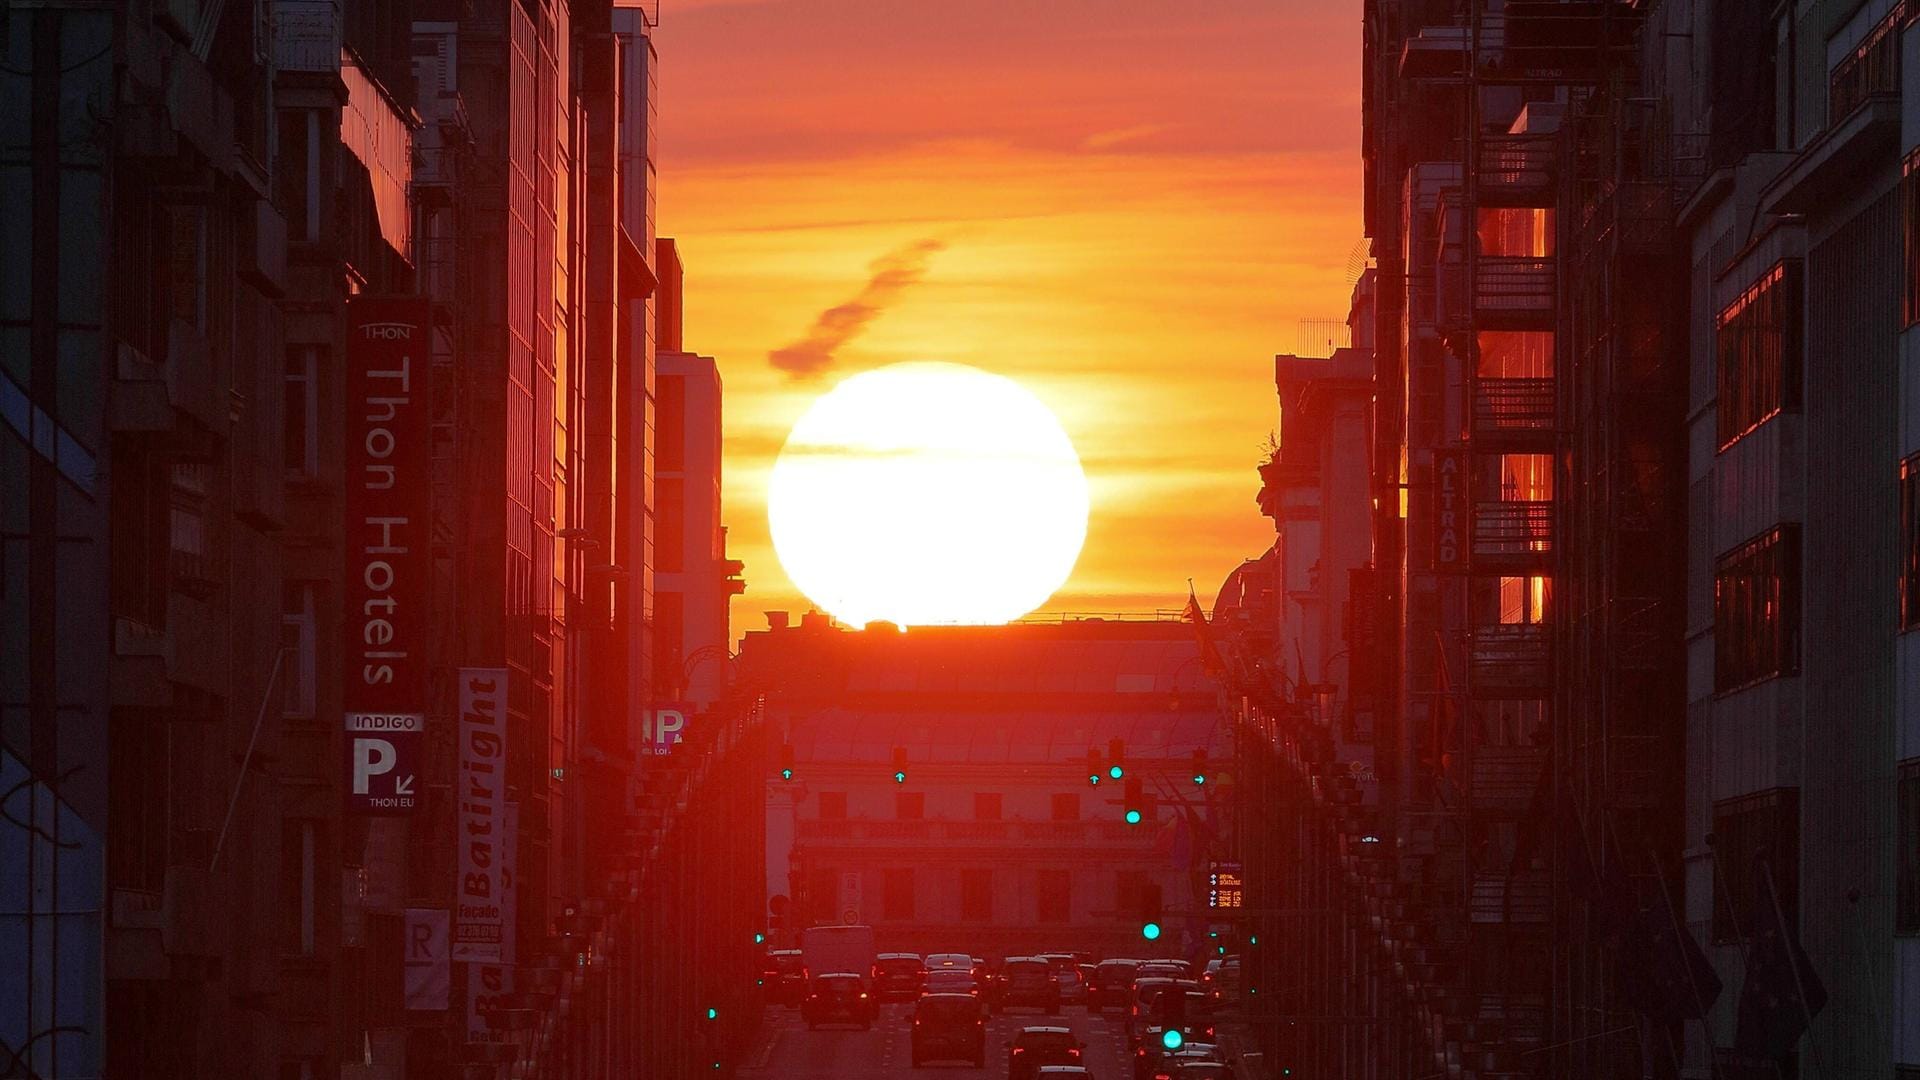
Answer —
785 1050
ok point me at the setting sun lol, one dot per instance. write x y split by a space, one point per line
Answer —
925 493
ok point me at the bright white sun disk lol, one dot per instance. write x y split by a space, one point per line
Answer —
926 493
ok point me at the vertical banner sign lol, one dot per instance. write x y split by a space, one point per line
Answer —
1451 511
481 802
386 498
490 986
427 967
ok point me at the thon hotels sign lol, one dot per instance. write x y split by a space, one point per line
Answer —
384 594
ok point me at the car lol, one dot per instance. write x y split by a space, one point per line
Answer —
898 976
1028 982
947 961
839 998
1153 1060
1147 1008
1176 969
1035 1047
1064 1072
951 982
949 1027
1073 986
1201 1070
781 978
1111 986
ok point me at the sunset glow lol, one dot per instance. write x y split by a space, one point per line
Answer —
925 493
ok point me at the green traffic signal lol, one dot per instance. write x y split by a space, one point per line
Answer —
713 1013
759 938
1133 817
1171 1038
1150 931
786 774
899 776
1116 771
1094 779
1199 778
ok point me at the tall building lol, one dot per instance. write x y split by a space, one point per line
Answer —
327 558
1803 747
695 580
991 837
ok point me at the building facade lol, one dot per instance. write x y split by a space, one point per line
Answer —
696 581
995 842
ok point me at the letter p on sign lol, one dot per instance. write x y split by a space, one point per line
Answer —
371 757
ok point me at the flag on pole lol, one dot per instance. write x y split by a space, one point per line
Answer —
1209 653
1782 993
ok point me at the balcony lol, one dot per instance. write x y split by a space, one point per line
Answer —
1504 778
1512 536
1516 170
1511 661
1525 898
1512 292
882 833
1513 413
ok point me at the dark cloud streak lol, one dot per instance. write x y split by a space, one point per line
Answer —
892 274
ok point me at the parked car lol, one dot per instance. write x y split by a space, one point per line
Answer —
839 998
898 976
1028 982
1034 1047
949 1027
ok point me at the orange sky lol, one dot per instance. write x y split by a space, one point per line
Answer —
1125 206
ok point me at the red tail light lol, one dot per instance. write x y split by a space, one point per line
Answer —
1073 1053
1019 1049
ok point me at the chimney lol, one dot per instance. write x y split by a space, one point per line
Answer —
776 620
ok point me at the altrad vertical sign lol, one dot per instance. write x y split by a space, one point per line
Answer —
1451 511
387 502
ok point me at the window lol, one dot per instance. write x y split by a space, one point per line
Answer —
1910 542
670 532
1749 832
187 535
1053 894
976 895
299 886
1910 239
897 894
1516 232
297 663
669 641
1757 349
823 894
986 806
1873 67
910 805
670 434
1523 600
301 430
137 533
1066 807
1133 892
833 806
1756 610
1906 902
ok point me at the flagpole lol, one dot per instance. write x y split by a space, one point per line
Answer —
1693 984
1740 943
1791 941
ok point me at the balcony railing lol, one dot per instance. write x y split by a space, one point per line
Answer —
1516 170
1513 292
883 832
1509 410
1504 777
1873 67
1524 898
1511 660
1512 535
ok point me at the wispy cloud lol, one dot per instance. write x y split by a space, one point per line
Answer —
892 274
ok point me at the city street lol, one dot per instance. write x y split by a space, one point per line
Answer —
785 1050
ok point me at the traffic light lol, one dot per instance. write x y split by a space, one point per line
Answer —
713 1013
1199 767
1171 1038
899 764
1133 806
759 937
786 761
1094 767
1149 901
1116 758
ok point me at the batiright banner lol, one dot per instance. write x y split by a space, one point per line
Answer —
480 923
